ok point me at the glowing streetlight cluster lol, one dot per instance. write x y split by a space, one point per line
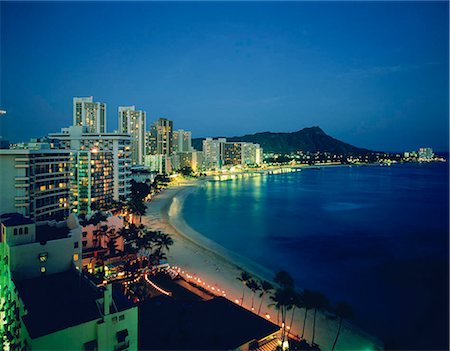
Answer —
162 291
213 289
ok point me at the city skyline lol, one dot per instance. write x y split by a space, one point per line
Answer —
211 68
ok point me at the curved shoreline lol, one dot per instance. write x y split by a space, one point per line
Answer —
220 267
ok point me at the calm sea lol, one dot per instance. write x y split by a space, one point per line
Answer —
376 237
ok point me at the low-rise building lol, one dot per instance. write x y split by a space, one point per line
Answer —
97 237
46 302
65 311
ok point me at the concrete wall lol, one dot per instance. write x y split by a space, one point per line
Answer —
61 253
103 330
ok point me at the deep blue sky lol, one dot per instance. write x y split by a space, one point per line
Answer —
374 74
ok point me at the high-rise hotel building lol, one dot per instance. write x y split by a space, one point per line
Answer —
35 182
182 141
133 122
90 114
99 145
164 135
213 153
92 180
220 152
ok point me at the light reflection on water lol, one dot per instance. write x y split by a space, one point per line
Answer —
374 236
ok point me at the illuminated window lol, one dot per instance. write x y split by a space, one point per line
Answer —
43 270
75 257
43 257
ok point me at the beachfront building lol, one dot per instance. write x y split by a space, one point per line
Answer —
92 180
33 250
219 152
118 144
232 154
213 153
100 238
182 141
46 304
35 181
192 159
150 140
252 154
161 164
133 122
164 137
90 114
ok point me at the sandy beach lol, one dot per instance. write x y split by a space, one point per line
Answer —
218 269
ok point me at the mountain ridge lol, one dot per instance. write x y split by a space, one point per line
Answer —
309 139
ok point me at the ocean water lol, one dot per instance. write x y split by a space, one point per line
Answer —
376 237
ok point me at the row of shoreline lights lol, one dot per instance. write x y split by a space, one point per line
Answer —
214 290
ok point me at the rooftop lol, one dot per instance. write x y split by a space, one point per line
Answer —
57 301
62 300
46 232
216 324
14 219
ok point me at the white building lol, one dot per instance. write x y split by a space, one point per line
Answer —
161 164
133 122
35 182
77 138
213 153
34 250
182 141
220 152
164 138
88 113
49 304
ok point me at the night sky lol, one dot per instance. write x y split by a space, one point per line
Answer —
374 74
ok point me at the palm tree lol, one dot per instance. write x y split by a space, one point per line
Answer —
319 302
265 288
244 278
137 207
284 280
297 302
163 241
283 299
156 257
254 286
344 311
307 303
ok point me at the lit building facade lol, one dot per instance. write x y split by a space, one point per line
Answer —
90 114
213 153
164 136
220 152
232 154
92 180
35 182
119 144
426 153
28 251
182 141
133 122
46 303
150 140
192 159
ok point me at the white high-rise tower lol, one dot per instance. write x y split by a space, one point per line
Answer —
88 113
133 122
